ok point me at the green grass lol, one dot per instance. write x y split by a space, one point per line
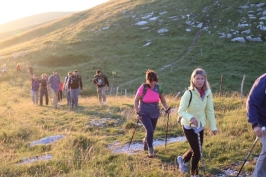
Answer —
84 148
73 43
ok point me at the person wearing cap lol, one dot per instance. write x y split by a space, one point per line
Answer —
102 83
65 87
53 82
256 112
75 85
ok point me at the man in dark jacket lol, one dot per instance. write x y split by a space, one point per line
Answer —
53 82
74 84
102 83
256 112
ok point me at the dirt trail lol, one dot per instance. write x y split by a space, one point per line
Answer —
189 49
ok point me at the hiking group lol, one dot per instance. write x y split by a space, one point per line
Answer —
72 85
196 109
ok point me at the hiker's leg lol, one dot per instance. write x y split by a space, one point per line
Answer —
99 91
260 169
148 124
103 93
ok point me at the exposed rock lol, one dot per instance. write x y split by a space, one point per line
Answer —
246 31
260 4
238 39
263 18
141 23
242 25
199 25
153 18
161 13
147 44
256 39
163 30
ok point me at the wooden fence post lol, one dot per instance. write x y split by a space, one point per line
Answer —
221 86
242 85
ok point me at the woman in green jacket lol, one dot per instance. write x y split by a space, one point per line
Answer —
195 108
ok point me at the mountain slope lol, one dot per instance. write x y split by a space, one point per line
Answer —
32 20
178 37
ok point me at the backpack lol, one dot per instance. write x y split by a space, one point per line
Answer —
146 87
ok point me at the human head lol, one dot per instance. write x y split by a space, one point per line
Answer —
69 74
44 76
55 73
199 71
151 77
76 72
34 76
98 72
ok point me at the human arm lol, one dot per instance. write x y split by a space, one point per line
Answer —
184 105
163 101
255 101
81 84
107 82
209 110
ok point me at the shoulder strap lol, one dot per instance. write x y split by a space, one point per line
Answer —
144 90
190 97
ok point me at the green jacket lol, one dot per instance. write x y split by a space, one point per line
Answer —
198 108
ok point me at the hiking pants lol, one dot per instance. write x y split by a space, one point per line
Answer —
194 153
60 96
150 125
55 97
260 170
68 97
74 97
44 93
101 93
34 96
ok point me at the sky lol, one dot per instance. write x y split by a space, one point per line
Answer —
15 9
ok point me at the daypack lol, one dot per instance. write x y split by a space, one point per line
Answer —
100 79
146 87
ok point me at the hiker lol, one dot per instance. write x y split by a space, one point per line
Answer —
34 89
75 85
102 83
18 68
60 94
196 106
256 112
65 87
44 89
53 82
147 107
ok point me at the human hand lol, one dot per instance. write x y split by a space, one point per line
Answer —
214 132
258 131
168 110
194 121
107 89
139 116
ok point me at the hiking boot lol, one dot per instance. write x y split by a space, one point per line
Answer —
182 165
151 152
145 144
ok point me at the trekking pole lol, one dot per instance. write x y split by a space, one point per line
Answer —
197 131
166 132
133 134
263 129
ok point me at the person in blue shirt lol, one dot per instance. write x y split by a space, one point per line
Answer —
53 82
256 112
34 89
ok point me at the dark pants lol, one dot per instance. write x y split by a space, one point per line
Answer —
194 152
60 95
150 125
44 92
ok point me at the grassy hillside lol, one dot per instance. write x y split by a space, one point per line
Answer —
83 150
108 38
32 21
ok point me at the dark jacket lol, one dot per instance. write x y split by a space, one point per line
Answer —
43 84
103 80
75 82
256 102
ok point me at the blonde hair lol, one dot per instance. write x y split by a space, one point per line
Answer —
201 72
